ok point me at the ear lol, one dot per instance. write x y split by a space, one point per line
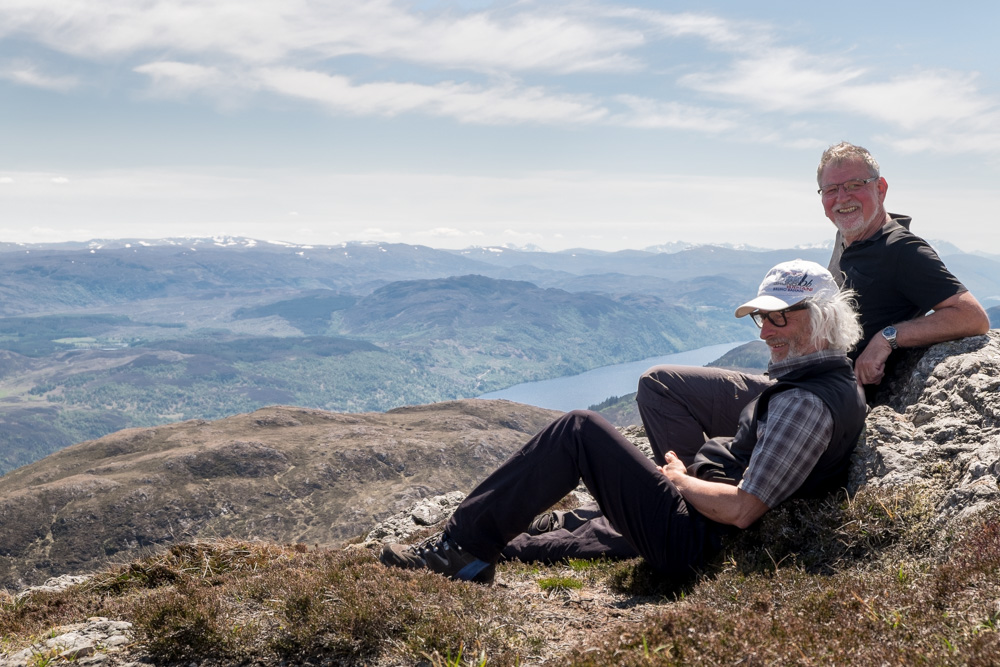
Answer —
883 187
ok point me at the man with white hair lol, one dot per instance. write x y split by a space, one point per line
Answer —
793 439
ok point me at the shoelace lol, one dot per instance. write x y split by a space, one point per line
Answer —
431 545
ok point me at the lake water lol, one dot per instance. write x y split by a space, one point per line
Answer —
586 389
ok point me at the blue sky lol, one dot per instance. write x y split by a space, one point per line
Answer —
605 125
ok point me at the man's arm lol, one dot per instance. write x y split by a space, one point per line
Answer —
798 430
958 316
720 502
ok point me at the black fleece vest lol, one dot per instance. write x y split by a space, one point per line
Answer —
726 459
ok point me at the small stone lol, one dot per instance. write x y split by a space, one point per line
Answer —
78 652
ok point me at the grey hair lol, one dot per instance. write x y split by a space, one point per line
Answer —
834 321
846 152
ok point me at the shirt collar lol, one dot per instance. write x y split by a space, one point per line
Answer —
895 220
776 369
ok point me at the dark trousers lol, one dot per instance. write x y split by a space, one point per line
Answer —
637 500
585 533
681 407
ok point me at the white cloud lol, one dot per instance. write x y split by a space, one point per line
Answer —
924 99
683 71
229 89
467 103
782 79
4 180
960 140
717 31
555 41
28 74
172 78
338 93
274 31
652 114
501 103
940 111
59 180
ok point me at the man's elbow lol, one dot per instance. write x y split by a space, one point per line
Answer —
976 320
984 322
967 316
751 509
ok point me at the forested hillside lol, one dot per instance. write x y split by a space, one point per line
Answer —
100 336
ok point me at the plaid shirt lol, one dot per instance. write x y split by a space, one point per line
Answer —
796 432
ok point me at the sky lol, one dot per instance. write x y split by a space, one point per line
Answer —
605 125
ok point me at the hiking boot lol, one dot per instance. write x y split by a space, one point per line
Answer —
440 554
544 523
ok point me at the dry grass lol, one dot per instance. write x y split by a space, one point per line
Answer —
862 581
833 583
232 602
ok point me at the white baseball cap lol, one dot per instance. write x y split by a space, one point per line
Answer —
789 283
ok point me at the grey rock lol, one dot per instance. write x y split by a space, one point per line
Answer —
426 512
55 584
939 427
87 643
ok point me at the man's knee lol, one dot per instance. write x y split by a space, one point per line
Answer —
676 385
584 427
694 384
588 419
658 381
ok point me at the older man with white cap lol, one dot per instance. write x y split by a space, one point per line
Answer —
793 438
683 406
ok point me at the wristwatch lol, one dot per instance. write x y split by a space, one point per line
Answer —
889 333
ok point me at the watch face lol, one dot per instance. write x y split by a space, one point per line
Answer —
889 333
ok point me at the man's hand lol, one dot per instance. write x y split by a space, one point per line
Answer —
720 502
674 468
870 364
956 317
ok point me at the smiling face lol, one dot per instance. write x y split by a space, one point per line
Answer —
857 214
791 340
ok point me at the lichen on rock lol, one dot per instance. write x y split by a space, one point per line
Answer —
939 426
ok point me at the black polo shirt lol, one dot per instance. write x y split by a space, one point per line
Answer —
897 276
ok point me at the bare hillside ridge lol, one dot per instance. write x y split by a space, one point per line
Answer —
283 474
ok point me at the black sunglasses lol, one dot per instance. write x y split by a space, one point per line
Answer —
776 317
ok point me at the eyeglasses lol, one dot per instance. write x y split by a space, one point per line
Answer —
776 317
850 186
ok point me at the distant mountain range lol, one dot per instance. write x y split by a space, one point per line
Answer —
107 334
